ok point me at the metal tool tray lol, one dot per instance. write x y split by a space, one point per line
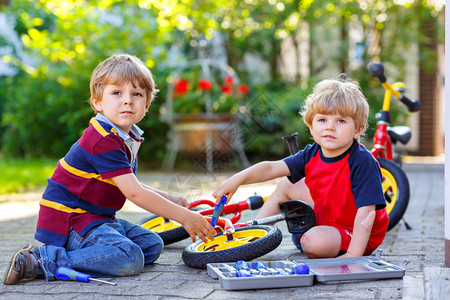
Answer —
352 268
222 271
322 270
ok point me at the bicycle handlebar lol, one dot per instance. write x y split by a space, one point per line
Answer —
413 105
376 69
291 140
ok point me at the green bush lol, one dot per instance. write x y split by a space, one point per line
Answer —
274 114
44 107
21 175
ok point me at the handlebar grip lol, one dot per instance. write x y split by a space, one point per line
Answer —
376 69
291 140
255 202
413 105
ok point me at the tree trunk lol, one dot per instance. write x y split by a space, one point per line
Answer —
311 50
430 140
344 45
298 76
275 51
230 48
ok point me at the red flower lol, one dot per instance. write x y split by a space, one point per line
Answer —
227 90
181 86
243 88
228 80
204 84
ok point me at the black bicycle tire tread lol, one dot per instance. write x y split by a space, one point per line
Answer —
169 236
173 236
250 251
402 200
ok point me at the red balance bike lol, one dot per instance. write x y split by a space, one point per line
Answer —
395 182
235 241
171 231
247 241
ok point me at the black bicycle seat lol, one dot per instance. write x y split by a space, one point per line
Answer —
299 216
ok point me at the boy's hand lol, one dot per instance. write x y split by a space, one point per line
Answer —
196 225
227 188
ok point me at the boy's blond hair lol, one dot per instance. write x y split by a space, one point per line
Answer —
337 96
120 69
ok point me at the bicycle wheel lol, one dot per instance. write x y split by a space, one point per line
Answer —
169 231
246 243
396 191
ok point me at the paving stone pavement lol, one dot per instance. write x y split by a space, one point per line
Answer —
169 278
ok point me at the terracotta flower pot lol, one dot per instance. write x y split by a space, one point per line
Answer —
191 131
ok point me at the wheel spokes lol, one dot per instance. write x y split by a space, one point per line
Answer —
239 238
389 189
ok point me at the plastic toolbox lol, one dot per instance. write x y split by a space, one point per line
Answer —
321 270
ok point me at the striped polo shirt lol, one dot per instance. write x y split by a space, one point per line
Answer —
80 193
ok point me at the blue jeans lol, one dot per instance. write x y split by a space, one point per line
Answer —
120 248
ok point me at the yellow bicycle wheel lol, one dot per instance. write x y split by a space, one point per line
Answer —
246 243
159 224
240 238
395 189
169 231
390 189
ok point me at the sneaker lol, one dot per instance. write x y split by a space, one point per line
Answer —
24 265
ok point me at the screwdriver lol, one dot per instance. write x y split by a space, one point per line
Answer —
218 210
66 273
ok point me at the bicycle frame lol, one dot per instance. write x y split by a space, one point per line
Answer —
296 213
253 202
382 145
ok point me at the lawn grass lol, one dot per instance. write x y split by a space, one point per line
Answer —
22 175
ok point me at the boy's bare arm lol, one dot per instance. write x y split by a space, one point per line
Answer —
260 172
174 198
194 223
361 230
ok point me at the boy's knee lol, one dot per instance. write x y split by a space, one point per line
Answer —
131 262
151 254
159 246
307 243
310 245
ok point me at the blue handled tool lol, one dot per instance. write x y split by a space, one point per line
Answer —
241 265
259 266
218 210
66 273
301 268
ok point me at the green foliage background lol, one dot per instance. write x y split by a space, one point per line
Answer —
21 175
44 106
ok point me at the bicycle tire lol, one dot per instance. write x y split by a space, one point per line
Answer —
395 189
169 231
261 239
